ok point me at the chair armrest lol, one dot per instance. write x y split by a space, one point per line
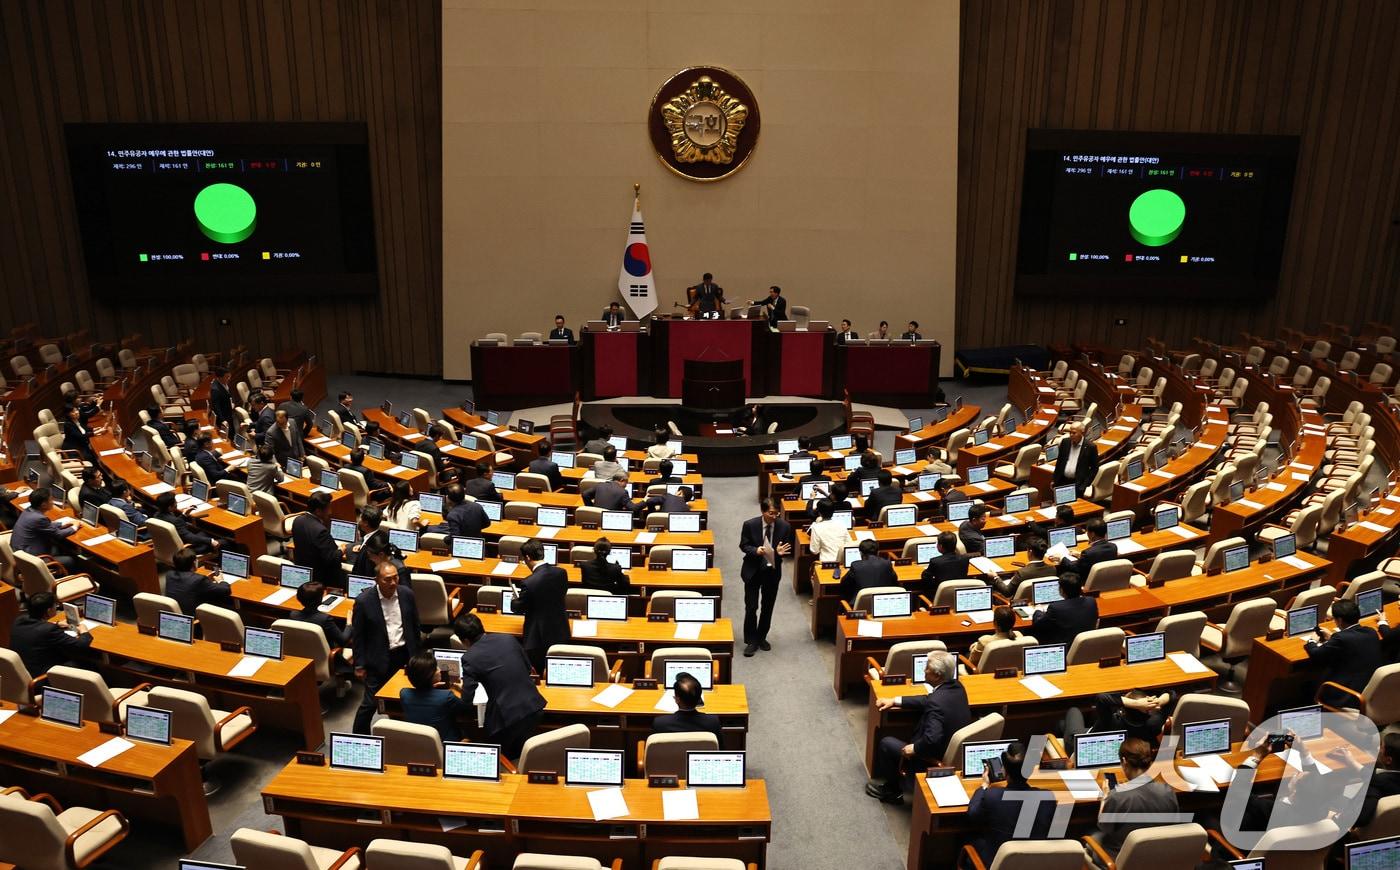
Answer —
973 858
615 672
1099 853
646 669
967 662
875 666
1328 684
143 687
352 852
1224 843
219 728
924 599
70 844
616 864
1056 746
36 683
508 765
474 862
845 606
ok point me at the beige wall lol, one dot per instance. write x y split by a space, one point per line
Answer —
848 203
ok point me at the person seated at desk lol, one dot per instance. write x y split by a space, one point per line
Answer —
1390 640
202 543
481 487
1138 795
883 332
161 428
121 500
689 695
560 332
846 333
839 493
465 519
776 305
605 468
403 510
911 332
613 316
748 420
867 572
943 488
312 544
1100 549
1004 628
1078 462
669 502
1385 780
970 530
664 475
612 494
599 442
600 573
661 445
386 637
429 701
190 446
378 489
1349 656
77 437
263 414
949 564
310 595
1035 568
345 409
541 600
828 538
189 588
93 489
263 471
942 712
208 460
1064 518
1062 621
886 494
995 817
41 643
284 438
1142 714
367 528
542 464
514 705
36 534
9 514
869 470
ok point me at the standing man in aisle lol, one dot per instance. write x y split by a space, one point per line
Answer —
766 540
385 618
220 402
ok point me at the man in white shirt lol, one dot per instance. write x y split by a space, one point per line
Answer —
386 636
829 538
1078 462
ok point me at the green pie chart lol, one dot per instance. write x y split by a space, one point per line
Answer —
1156 217
226 213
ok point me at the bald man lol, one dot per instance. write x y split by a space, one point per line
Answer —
1078 461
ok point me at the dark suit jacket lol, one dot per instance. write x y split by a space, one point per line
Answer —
942 713
601 574
866 573
497 662
612 496
284 447
566 333
777 310
1062 621
1350 657
466 519
220 402
347 415
315 549
265 420
1099 551
1384 783
188 534
371 479
687 720
751 539
481 489
436 708
329 627
612 319
371 643
1084 472
42 644
298 413
668 503
77 438
972 539
163 430
35 533
191 589
945 566
1035 569
879 498
994 818
93 495
213 468
543 465
541 600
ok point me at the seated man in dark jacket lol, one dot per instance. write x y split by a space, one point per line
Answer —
600 573
309 596
942 712
192 537
41 644
996 808
1100 549
497 662
970 532
428 701
190 588
887 493
867 572
208 461
378 489
1062 621
464 518
94 487
480 487
549 468
689 695
1350 655
312 544
949 564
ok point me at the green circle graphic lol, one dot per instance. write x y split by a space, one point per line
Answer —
1156 217
226 213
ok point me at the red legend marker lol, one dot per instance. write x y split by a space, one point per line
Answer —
203 256
1127 258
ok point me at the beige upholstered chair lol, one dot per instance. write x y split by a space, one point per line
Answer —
1089 647
100 703
1155 847
436 606
35 577
688 863
212 731
1109 576
1031 855
16 684
39 834
1379 701
404 855
269 851
656 665
1183 631
546 751
408 743
1200 707
1232 643
988 727
665 753
664 600
900 658
150 606
219 624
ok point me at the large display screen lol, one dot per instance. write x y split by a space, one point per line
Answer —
1154 215
191 212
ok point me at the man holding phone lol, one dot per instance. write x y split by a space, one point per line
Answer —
1141 795
996 807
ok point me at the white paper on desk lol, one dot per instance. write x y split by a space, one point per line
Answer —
1182 532
1385 512
928 529
923 495
1276 486
585 628
1216 767
6 714
834 454
901 470
985 487
113 452
157 488
247 666
1081 783
546 532
1018 435
1293 759
870 628
985 565
1104 442
613 695
1250 505
1166 475
666 703
281 596
395 470
99 755
98 539
1121 428
1200 779
1373 527
414 436
1056 553
488 428
1188 663
1301 478
504 568
1296 562
1128 545
608 803
230 455
979 617
322 440
948 791
646 537
1042 687
445 565
679 805
688 631
863 535
1300 465
1133 486
1047 513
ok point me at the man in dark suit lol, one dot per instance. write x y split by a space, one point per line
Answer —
1062 621
1349 656
514 705
846 333
93 489
429 700
613 317
162 428
465 519
994 815
613 494
41 644
36 534
345 409
867 572
541 600
208 461
378 488
264 415
1078 461
776 305
285 440
386 637
190 589
689 694
942 711
765 541
1100 549
668 502
664 474
480 487
313 545
1036 568
301 417
190 536
911 332
220 401
1385 781
309 596
869 470
602 573
949 564
970 531
560 332
887 493
549 468
708 296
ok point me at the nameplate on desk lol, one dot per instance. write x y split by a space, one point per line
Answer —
1110 661
417 769
543 777
829 566
901 562
1004 674
663 780
314 759
940 610
658 617
645 683
525 521
146 629
1091 593
485 608
588 526
894 680
1054 764
230 646
855 614
940 772
573 614
110 728
1273 634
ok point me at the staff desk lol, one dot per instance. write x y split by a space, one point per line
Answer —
505 818
282 694
152 783
987 694
1111 444
409 438
573 501
250 600
1176 475
619 727
1272 663
523 446
1004 448
903 374
927 503
636 478
934 434
1217 594
339 454
573 535
1373 533
297 491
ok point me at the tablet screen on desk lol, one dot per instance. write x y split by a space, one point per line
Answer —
1018 502
616 521
1368 602
293 470
786 446
1306 722
1120 529
1134 470
262 642
552 517
621 557
979 473
1065 494
430 502
503 480
199 490
905 456
900 516
957 510
1045 659
725 769
841 442
1146 647
409 460
1248 864
236 504
126 531
851 463
492 509
294 576
916 423
929 481
1045 591
596 767
449 661
968 600
148 724
612 607
974 752
683 522
101 609
1000 547
1166 516
562 459
678 466
925 552
330 480
573 671
173 626
851 556
1237 558
471 761
981 436
65 708
700 609
1383 854
918 665
890 604
357 752
697 668
685 559
467 441
375 449
347 439
867 485
405 539
1065 537
1098 748
89 513
468 548
814 490
844 519
801 465
358 584
1211 737
1302 620
1285 546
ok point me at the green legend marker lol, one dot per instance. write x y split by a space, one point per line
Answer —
1156 217
143 257
226 213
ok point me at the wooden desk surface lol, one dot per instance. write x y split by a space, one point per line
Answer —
1003 446
933 433
578 535
725 699
417 479
1346 547
574 500
483 572
412 438
1286 486
532 443
1179 472
634 630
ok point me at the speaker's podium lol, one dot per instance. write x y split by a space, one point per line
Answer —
713 384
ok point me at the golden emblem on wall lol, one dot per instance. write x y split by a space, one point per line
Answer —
704 123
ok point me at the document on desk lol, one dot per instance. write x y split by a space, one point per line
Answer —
923 496
608 803
1199 779
1042 687
988 486
280 596
679 805
928 529
1047 513
1021 436
1276 486
1374 527
414 436
1130 485
979 617
900 470
1384 512
113 452
1250 505
1081 784
863 535
688 631
445 565
246 666
985 565
99 755
1128 545
6 714
1216 767
1188 663
613 695
1182 532
948 791
157 489
1302 478
584 628
98 539
666 703
1297 562
504 569
546 532
646 537
870 628
1166 475
395 470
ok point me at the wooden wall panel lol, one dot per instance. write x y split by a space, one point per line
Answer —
375 61
1321 70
